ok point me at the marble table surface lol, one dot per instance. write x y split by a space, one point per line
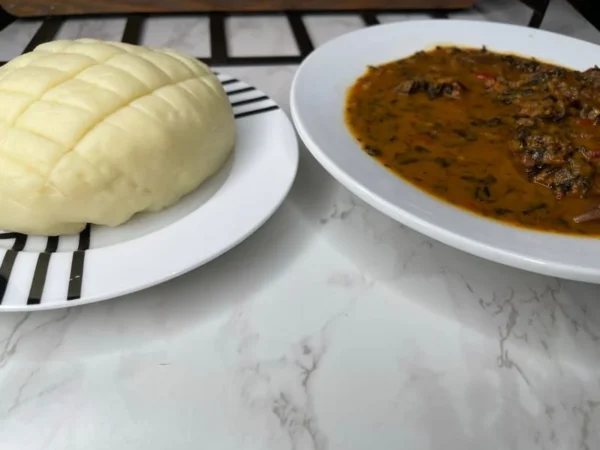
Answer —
331 328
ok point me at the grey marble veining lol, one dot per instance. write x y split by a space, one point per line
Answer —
331 328
260 36
323 28
106 29
562 18
187 34
15 37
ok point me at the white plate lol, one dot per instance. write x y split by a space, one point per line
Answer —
43 273
317 103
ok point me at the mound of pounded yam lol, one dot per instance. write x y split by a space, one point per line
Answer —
95 132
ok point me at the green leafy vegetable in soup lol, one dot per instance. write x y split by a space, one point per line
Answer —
506 137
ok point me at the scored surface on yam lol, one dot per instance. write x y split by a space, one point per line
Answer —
67 105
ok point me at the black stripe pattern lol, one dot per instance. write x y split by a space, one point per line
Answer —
369 18
77 265
246 100
303 40
539 11
45 33
41 271
5 19
218 39
439 15
8 262
218 35
132 34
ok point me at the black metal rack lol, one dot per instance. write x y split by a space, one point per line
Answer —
218 36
